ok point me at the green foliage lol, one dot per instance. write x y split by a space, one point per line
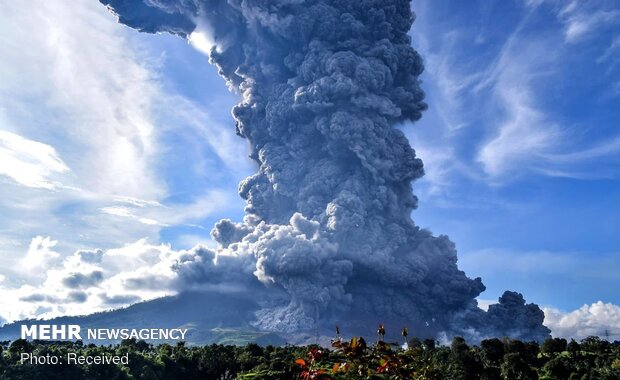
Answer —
493 359
554 346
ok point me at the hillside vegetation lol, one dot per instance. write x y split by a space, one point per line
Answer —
592 358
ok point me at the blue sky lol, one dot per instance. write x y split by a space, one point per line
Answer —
522 145
120 141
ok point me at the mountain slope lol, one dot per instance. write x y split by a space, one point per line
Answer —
210 318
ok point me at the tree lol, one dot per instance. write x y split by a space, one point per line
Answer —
493 351
559 367
515 368
553 346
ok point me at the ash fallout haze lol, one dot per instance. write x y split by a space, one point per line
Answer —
327 237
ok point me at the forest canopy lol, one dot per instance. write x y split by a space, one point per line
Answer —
592 358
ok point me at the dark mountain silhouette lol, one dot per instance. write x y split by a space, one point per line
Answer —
210 317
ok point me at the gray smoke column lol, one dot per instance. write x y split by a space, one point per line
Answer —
327 231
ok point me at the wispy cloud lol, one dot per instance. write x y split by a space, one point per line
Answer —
524 133
84 112
490 119
77 107
221 139
128 213
159 214
93 102
582 19
494 96
520 132
29 163
612 51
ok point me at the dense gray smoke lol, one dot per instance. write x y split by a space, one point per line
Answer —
327 234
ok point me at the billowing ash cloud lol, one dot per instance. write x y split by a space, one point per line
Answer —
327 230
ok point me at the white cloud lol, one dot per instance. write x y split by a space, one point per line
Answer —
118 211
488 101
489 120
202 40
568 8
484 303
154 213
95 280
523 137
39 256
598 319
77 116
223 142
522 133
75 82
579 163
91 281
447 82
580 24
611 59
85 112
29 163
581 19
607 148
137 202
534 3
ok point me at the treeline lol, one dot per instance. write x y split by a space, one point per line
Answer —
592 358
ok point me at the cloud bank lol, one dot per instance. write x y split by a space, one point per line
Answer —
327 228
598 319
89 281
85 128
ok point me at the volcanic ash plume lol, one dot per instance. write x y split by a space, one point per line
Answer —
327 232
